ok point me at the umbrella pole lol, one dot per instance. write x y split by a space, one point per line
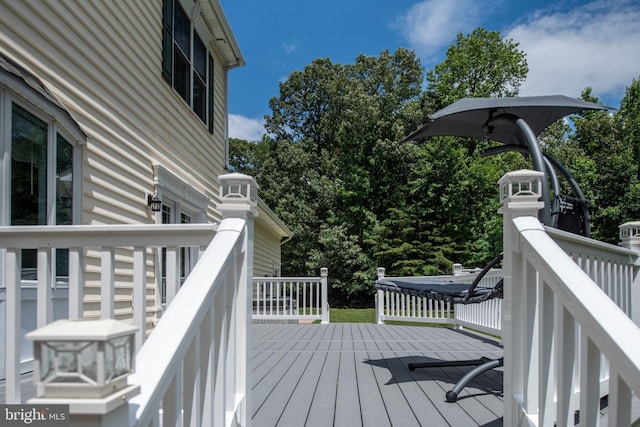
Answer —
536 157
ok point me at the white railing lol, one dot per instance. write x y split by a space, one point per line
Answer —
616 270
291 298
558 325
193 367
116 252
484 317
392 306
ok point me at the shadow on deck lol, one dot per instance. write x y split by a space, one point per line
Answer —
357 375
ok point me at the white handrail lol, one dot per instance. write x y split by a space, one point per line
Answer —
558 325
195 348
78 238
484 317
291 298
543 384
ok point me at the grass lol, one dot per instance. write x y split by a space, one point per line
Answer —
352 315
368 315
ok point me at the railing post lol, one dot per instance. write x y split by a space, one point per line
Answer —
520 194
630 239
95 386
380 299
239 198
457 269
324 272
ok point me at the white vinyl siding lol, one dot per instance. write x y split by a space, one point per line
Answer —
103 61
266 256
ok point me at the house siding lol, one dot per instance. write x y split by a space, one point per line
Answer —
266 258
103 61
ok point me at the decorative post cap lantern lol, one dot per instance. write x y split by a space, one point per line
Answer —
82 358
521 189
238 193
521 184
630 235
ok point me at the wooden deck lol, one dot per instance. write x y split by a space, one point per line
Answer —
357 375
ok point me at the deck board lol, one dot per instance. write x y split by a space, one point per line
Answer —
357 375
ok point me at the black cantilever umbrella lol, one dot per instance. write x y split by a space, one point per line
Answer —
514 120
480 117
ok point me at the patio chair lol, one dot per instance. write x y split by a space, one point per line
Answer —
515 122
456 293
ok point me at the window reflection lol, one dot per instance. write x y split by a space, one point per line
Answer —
29 184
64 181
28 169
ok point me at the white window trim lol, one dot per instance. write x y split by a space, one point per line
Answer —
53 129
186 198
14 90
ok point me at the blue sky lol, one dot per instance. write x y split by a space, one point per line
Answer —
570 44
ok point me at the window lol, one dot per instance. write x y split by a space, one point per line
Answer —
186 63
41 181
30 176
42 146
181 204
187 256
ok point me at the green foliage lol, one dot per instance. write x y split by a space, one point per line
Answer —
356 198
481 64
351 269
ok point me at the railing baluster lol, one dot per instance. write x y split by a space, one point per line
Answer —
173 273
170 407
589 380
619 401
272 295
76 284
207 359
230 337
13 337
107 283
192 399
220 338
140 293
566 364
546 366
45 303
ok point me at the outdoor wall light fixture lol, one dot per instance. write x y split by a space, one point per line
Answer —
154 201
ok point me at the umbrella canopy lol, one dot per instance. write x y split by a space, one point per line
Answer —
475 117
511 121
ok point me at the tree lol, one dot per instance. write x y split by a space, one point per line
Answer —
247 157
346 122
479 65
628 121
309 108
458 183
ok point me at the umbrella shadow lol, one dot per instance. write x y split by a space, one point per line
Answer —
490 382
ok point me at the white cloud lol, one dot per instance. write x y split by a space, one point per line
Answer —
433 24
595 45
245 128
289 48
